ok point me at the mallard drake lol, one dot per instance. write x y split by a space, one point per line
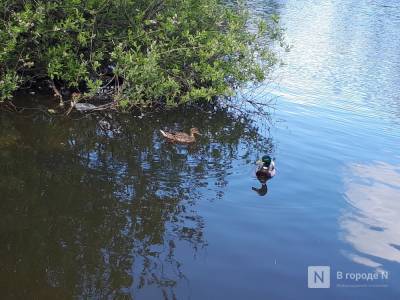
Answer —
266 169
181 137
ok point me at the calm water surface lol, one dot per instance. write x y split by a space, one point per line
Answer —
104 208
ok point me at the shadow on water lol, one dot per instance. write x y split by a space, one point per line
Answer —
95 207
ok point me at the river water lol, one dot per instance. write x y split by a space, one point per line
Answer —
102 207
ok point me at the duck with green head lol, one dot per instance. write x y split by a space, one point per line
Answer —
266 168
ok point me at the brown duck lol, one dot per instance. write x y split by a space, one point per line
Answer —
181 137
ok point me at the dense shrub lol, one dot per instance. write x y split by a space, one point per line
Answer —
162 51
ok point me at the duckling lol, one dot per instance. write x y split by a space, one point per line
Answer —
181 137
266 169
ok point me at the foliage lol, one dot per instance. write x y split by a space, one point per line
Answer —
154 52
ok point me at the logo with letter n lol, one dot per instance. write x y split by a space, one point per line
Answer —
319 277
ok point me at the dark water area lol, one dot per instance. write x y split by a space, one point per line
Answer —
102 207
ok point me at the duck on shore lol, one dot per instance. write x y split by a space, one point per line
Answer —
181 137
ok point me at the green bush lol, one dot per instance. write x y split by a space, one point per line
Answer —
161 52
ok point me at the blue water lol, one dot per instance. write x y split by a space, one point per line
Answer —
336 199
102 207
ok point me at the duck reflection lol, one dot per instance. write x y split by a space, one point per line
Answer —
263 190
372 227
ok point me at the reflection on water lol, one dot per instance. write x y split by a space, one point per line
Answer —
345 54
372 226
96 207
340 98
262 190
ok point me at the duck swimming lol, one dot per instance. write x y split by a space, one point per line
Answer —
181 137
266 169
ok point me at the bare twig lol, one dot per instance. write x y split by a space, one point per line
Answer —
57 93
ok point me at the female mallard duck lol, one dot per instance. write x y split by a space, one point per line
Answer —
181 137
266 169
